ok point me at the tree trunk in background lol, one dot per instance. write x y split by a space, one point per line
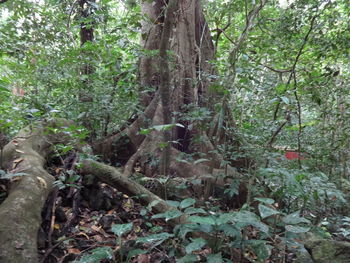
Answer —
192 49
188 67
87 69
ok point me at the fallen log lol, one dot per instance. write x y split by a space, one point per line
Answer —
20 214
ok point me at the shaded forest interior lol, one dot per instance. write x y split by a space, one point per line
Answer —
174 131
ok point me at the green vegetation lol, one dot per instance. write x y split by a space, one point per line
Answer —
238 120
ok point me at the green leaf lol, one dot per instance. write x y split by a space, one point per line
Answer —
246 218
171 214
295 218
193 210
266 211
164 127
183 229
231 231
4 89
96 255
136 252
260 248
280 88
155 239
264 200
173 203
196 244
187 202
188 259
120 229
145 131
153 203
224 218
202 220
297 229
215 258
285 100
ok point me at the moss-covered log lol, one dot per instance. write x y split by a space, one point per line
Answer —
20 213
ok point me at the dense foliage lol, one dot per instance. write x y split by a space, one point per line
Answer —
287 85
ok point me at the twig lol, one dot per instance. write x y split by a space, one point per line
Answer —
53 217
299 118
49 251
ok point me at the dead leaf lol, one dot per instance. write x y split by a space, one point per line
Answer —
83 234
16 162
73 251
111 212
96 228
98 238
144 258
127 205
19 151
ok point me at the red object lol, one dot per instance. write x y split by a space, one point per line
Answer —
291 155
18 92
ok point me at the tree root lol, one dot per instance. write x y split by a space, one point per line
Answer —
20 212
115 178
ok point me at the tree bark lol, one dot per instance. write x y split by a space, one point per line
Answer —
20 212
179 81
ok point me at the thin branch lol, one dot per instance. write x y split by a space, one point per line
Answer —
299 117
271 68
292 71
249 25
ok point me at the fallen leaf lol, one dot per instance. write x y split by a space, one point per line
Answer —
110 212
96 228
83 234
19 151
16 162
143 258
73 251
98 238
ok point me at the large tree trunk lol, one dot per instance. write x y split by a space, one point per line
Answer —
20 213
187 65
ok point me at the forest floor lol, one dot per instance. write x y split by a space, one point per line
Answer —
79 222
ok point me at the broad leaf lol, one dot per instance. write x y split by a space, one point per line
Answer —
266 211
193 210
297 229
187 202
171 214
173 203
120 229
215 258
264 200
203 220
295 218
196 244
155 239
